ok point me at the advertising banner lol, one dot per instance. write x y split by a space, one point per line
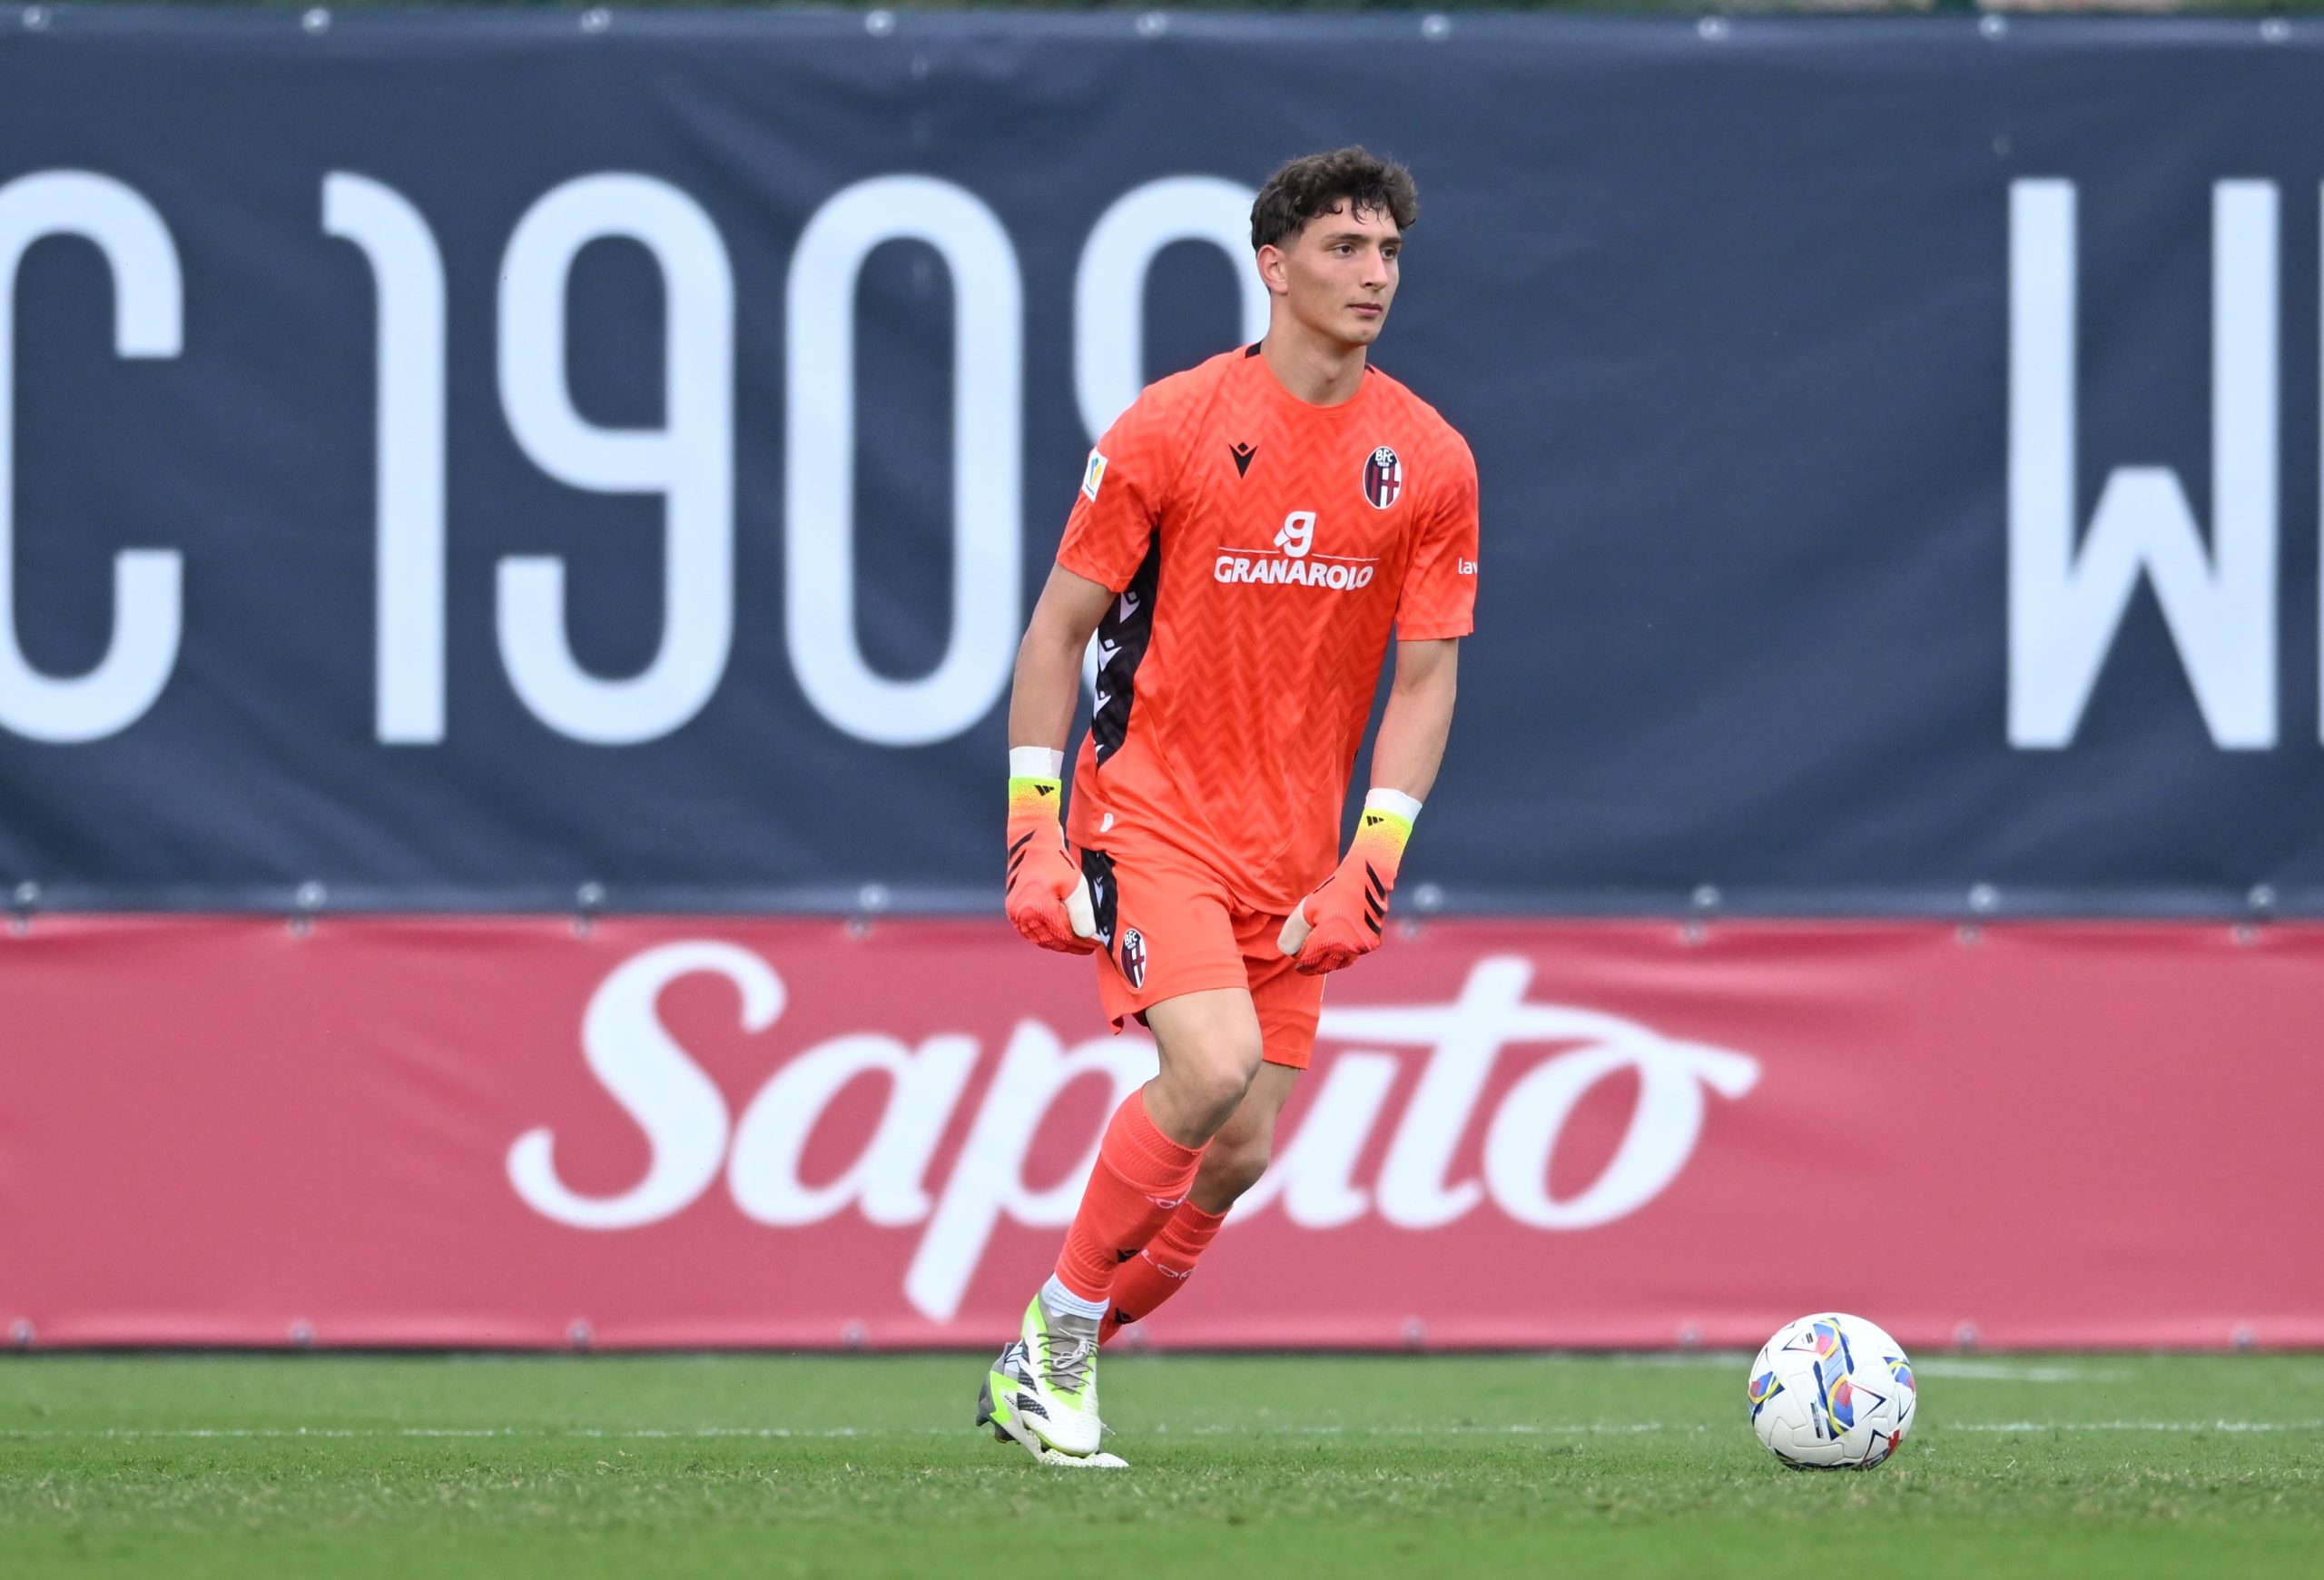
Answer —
456 462
791 1133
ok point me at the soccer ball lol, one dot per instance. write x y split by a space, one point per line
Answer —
1831 1392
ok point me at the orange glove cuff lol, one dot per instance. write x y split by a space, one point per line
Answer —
1381 836
1033 800
1045 895
1346 917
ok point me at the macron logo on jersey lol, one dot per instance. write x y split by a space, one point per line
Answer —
1093 475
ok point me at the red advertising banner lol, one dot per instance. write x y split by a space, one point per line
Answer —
742 1132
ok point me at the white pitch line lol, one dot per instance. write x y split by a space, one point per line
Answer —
2133 1425
2016 1371
688 1433
588 1432
1519 1429
2026 1371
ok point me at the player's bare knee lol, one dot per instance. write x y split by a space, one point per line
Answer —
1234 1163
1216 1094
1210 1081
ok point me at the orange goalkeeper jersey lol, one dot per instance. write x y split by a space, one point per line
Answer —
1261 550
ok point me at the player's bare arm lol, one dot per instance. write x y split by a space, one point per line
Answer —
1346 917
1049 660
1419 716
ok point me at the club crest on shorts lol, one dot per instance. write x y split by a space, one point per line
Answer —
1134 956
1383 478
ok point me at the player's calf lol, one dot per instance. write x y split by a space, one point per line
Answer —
1231 1165
1161 1269
1233 1162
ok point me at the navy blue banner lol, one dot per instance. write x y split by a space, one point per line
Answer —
488 461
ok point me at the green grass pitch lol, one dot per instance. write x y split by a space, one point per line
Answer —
2117 1466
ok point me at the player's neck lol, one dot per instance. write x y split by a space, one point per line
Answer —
1322 372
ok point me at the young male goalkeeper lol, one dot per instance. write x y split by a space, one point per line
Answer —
1249 534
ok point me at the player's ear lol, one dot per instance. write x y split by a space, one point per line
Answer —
1274 270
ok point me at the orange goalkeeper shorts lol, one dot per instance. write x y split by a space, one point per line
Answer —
1170 927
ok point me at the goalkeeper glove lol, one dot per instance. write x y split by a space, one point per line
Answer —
1341 919
1046 897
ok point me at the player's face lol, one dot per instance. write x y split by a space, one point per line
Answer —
1339 273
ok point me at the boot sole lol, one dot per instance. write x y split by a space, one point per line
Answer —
994 1410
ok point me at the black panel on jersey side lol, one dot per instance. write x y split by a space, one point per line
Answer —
1122 637
1105 894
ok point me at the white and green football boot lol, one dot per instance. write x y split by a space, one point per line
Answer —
1042 1392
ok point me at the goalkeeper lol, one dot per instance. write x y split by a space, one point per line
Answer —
1248 536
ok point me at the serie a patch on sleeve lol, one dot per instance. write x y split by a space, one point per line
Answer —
1093 475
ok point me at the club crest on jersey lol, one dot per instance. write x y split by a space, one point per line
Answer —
1383 478
1134 956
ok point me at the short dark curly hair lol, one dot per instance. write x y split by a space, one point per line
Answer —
1315 184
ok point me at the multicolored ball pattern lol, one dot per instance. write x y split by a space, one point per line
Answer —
1832 1392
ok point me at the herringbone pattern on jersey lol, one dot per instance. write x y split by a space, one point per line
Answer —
1278 591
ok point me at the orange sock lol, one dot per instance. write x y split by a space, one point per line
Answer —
1161 1269
1141 1177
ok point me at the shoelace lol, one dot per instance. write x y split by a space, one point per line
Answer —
1069 1372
